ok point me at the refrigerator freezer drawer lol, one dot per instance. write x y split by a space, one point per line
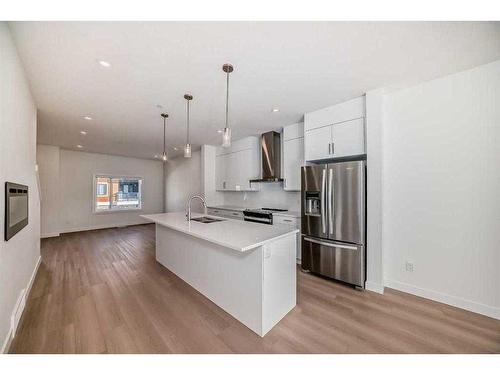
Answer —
339 261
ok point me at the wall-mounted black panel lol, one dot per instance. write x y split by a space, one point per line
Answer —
16 208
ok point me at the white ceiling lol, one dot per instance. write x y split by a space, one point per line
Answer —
295 66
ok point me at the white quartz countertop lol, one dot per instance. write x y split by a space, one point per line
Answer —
238 235
239 208
288 214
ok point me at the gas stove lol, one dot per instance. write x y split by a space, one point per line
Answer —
262 215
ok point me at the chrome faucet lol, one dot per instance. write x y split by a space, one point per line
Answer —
188 214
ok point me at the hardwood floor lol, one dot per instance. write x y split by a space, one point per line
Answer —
103 292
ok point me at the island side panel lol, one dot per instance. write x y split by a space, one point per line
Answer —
230 279
280 280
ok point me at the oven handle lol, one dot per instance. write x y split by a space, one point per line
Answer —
323 203
323 243
257 220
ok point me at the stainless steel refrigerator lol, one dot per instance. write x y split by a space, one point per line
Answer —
333 220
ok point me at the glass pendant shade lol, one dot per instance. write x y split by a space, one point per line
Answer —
226 134
226 137
164 155
187 151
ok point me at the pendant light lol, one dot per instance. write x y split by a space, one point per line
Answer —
164 155
187 147
226 134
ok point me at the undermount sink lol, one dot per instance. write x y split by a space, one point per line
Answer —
206 219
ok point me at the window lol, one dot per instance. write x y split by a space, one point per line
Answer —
102 188
117 193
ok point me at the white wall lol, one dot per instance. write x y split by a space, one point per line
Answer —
183 180
19 256
270 195
50 197
74 188
186 177
441 185
374 151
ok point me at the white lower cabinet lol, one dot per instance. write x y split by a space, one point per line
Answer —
294 222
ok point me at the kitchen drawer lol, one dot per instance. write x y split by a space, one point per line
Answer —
286 220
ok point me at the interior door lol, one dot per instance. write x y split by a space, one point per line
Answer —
317 143
314 201
346 204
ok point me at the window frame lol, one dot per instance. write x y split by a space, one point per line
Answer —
115 210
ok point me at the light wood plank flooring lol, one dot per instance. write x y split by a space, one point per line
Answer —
103 292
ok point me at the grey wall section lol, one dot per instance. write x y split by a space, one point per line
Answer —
74 189
18 256
50 195
182 180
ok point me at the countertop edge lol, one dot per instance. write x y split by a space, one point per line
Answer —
223 244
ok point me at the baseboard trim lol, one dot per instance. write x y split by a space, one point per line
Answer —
374 287
479 308
19 309
48 235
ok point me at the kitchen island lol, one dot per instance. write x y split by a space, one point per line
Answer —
247 269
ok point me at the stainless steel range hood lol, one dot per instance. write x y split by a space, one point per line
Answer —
270 158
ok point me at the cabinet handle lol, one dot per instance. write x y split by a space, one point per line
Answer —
329 148
287 220
224 185
333 148
234 213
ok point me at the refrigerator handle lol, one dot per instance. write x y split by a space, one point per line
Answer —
323 203
329 244
331 198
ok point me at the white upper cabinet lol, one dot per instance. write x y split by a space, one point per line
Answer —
235 166
348 138
336 131
317 143
293 156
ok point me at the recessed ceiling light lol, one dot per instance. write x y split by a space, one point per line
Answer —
79 146
175 148
157 156
220 131
104 63
83 132
275 110
88 118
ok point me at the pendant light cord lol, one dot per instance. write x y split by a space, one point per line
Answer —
164 127
227 97
187 136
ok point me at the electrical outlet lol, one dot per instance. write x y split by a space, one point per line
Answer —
409 266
